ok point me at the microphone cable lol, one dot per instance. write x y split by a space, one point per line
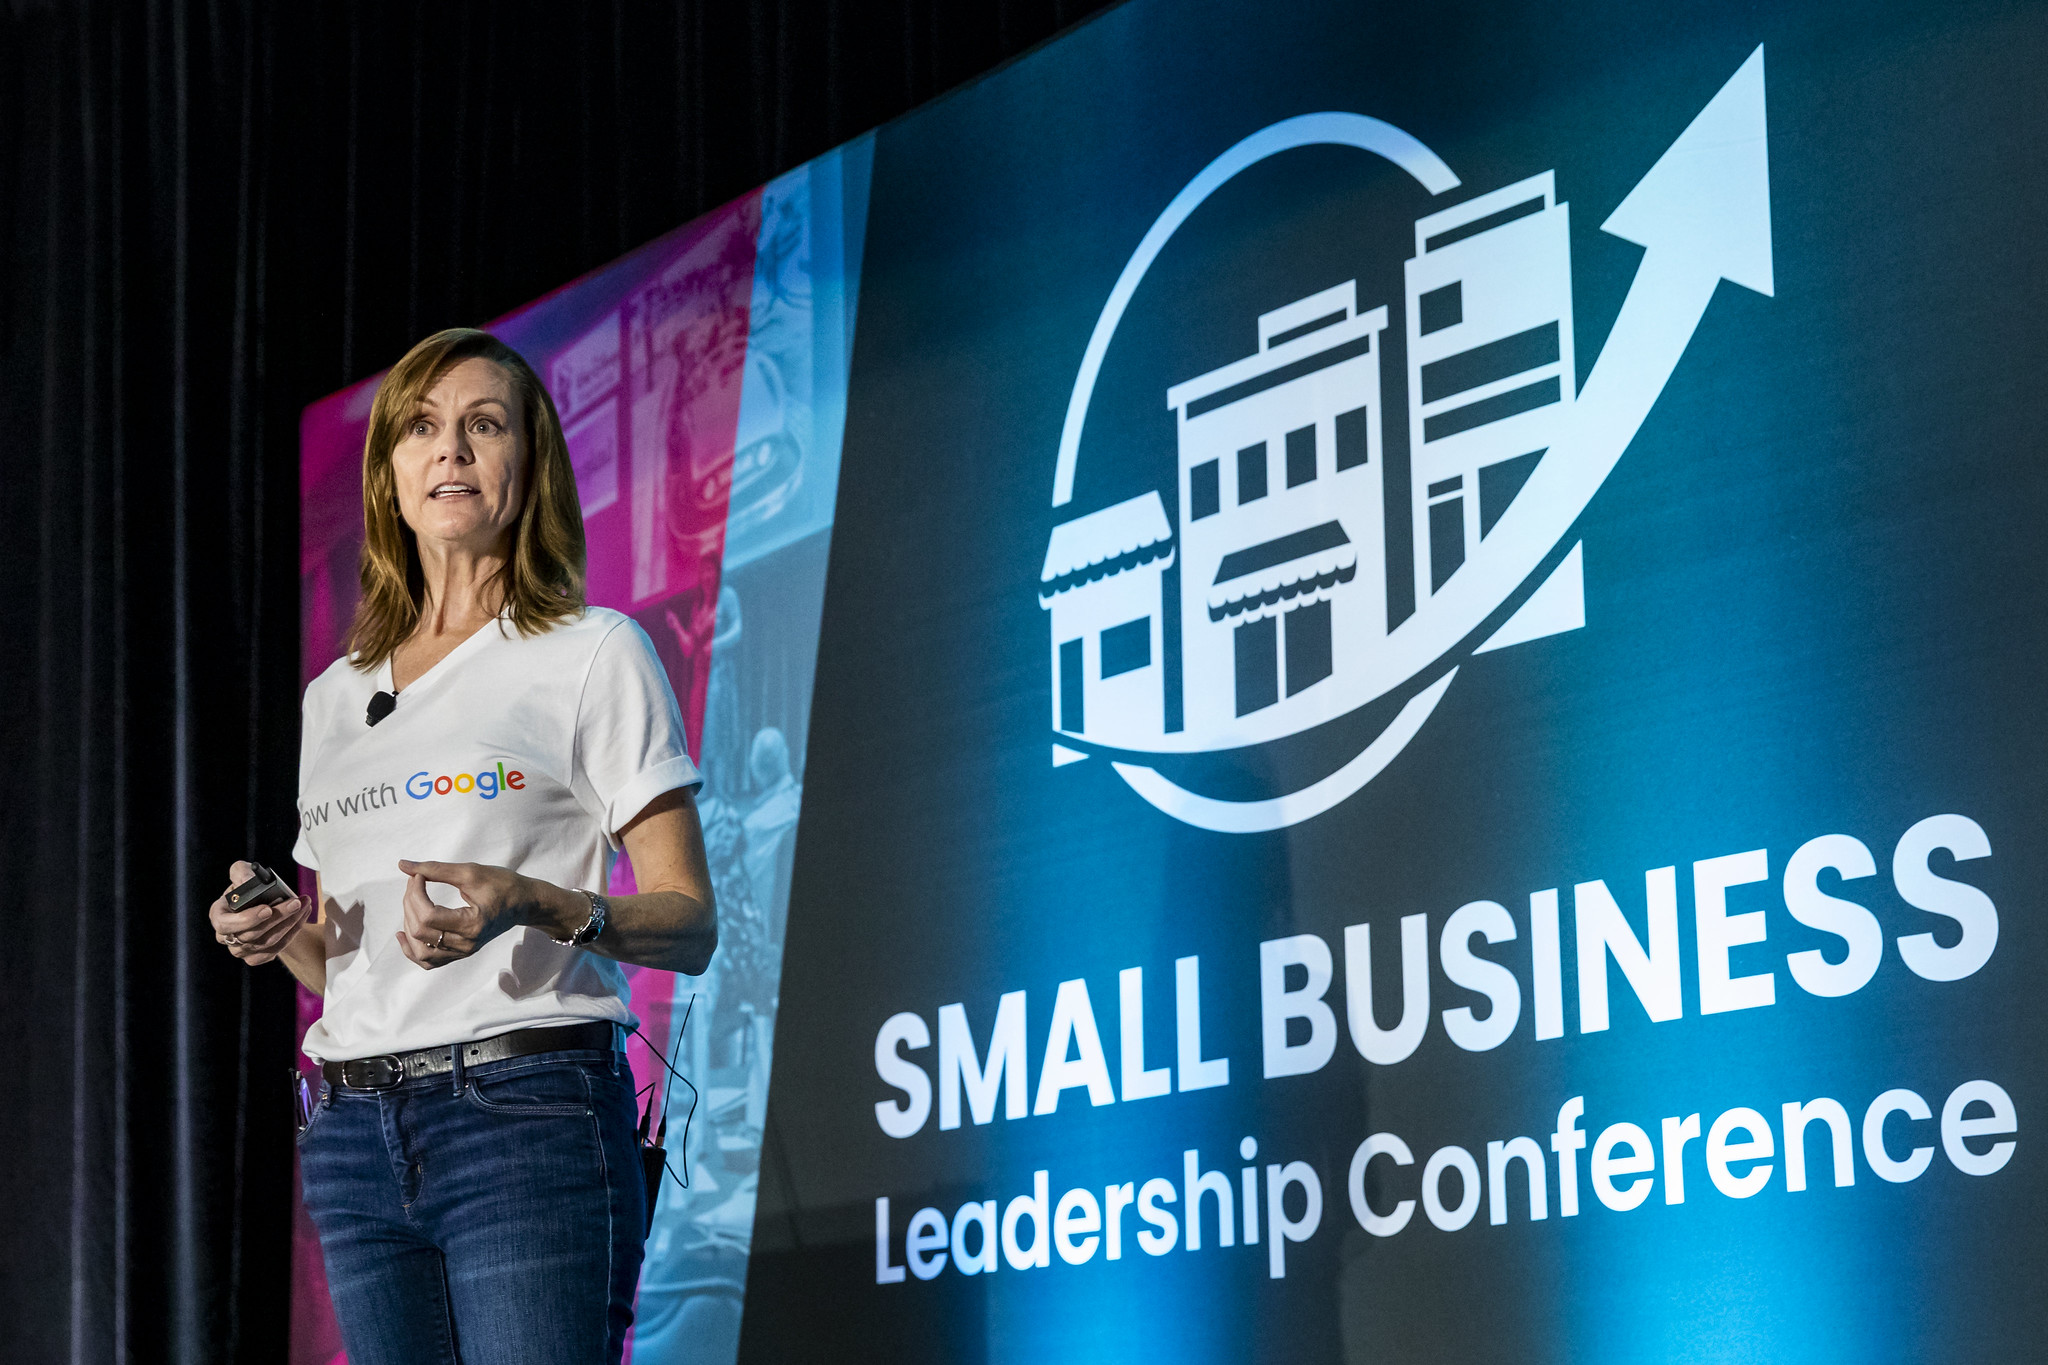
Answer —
654 1153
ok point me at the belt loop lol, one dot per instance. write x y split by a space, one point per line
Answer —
455 1059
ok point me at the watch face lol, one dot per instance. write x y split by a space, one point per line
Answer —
600 913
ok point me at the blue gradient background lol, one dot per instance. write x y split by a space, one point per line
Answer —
1813 594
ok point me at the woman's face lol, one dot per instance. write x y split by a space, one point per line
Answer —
460 464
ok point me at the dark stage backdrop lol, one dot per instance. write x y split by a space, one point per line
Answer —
210 214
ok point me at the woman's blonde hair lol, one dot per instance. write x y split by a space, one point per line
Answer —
543 581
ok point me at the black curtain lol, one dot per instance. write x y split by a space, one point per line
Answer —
211 213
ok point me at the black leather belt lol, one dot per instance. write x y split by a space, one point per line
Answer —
391 1069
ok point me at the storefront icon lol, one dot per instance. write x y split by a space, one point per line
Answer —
1280 473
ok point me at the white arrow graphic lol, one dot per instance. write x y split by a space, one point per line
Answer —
1702 215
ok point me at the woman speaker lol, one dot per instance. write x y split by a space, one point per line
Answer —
467 772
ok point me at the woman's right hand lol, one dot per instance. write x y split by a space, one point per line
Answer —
258 935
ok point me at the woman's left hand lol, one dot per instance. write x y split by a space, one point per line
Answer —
496 899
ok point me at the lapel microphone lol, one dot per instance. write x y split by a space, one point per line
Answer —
381 706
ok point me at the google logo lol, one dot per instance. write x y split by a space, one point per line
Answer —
486 784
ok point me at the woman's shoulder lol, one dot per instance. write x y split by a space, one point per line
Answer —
596 640
340 679
582 635
340 686
613 651
598 621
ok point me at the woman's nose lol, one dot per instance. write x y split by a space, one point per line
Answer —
453 447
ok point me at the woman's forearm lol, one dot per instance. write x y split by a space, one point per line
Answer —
672 925
665 929
669 930
306 957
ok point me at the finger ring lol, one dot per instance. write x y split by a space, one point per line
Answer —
439 937
234 941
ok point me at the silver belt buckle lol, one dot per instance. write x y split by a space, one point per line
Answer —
373 1073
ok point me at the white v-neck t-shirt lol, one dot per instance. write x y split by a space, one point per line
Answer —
527 752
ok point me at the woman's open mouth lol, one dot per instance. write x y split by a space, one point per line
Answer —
452 490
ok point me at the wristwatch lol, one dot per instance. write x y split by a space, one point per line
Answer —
600 915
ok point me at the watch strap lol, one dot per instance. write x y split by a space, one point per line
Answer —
594 927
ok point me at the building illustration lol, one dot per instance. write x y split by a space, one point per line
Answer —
1102 582
1490 368
1257 615
1281 512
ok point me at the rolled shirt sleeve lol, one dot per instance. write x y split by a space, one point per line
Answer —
630 744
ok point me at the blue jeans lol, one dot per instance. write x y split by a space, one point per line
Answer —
498 1223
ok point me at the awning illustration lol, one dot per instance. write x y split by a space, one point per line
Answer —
1117 538
1289 566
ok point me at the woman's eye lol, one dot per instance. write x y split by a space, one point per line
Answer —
485 426
419 428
